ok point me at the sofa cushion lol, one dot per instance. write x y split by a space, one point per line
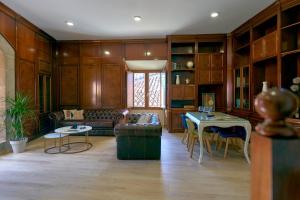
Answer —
78 115
144 118
69 114
100 123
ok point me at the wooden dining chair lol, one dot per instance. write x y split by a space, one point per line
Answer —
230 135
185 138
193 137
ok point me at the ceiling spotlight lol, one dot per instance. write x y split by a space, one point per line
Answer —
137 18
214 14
106 52
69 23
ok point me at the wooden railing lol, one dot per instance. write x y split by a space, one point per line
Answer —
275 149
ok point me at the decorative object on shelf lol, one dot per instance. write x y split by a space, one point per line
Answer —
174 65
208 100
177 79
238 82
190 50
274 106
265 86
190 64
187 81
295 88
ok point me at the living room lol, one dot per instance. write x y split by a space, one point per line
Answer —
149 99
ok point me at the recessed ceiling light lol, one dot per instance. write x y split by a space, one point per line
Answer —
137 18
106 52
69 23
214 14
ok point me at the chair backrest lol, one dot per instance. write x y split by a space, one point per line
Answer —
208 109
183 117
190 125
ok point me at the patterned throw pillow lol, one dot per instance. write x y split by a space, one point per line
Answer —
69 114
144 119
78 115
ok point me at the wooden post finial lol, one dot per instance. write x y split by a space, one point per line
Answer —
275 105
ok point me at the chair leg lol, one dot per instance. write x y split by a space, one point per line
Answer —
183 140
188 141
226 148
220 144
208 146
193 144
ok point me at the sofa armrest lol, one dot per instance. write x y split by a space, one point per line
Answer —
57 116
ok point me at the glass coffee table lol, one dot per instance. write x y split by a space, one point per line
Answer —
76 147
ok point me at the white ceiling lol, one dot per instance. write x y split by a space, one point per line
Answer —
113 19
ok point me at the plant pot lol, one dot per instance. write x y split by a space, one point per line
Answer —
19 145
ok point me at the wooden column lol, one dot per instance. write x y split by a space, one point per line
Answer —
275 149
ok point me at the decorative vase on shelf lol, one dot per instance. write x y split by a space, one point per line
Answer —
265 86
187 81
177 79
190 64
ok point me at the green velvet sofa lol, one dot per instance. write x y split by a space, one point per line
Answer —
138 141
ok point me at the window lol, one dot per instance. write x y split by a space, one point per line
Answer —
146 89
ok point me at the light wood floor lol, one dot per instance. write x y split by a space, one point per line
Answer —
97 174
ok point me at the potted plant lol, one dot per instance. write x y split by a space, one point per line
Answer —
18 110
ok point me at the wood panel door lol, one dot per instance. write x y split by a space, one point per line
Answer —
204 61
270 45
90 53
189 92
177 92
135 51
216 61
112 53
69 85
258 49
204 77
176 123
216 76
157 51
89 75
111 85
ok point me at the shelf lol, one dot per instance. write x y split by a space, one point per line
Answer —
183 54
294 25
243 47
290 52
264 59
178 70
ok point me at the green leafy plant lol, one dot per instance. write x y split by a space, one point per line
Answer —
18 110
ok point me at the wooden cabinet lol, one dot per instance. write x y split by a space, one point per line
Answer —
90 53
8 28
69 85
68 53
27 78
175 121
183 92
265 47
210 68
112 53
44 51
89 86
146 51
111 85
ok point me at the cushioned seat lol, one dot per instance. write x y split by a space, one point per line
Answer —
104 123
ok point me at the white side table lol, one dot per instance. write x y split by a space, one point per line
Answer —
61 146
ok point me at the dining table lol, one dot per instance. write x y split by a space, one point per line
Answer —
221 120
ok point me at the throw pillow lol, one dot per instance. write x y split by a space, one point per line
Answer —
69 114
78 115
144 119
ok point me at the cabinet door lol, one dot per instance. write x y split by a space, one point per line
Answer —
204 61
216 76
176 123
189 92
69 85
111 86
258 50
89 86
157 50
270 48
204 77
90 53
135 51
112 53
27 78
26 43
177 92
216 61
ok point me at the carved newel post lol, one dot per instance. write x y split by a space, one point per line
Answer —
275 149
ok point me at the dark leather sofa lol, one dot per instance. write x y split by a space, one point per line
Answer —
103 121
138 141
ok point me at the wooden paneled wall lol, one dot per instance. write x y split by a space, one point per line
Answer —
33 49
92 73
